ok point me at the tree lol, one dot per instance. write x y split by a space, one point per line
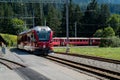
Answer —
114 21
75 15
63 24
90 18
98 33
17 26
39 14
1 14
77 19
6 12
108 32
52 19
103 16
71 18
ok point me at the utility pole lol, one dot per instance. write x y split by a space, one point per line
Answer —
26 15
41 13
33 19
67 27
45 22
33 14
75 29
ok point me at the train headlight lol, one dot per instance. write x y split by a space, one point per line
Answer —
44 46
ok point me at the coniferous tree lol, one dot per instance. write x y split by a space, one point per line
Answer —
52 19
63 24
8 13
39 14
75 16
77 19
71 18
90 19
1 15
104 16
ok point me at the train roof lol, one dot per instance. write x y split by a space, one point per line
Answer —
37 28
75 38
71 38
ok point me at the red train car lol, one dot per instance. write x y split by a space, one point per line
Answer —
56 41
60 41
95 41
38 40
72 41
79 41
75 41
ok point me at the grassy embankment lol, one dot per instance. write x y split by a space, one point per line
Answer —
10 39
111 53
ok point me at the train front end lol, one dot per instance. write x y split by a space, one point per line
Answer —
44 39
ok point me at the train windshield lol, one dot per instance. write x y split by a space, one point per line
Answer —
43 35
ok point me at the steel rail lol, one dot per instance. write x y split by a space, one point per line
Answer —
101 72
91 57
11 64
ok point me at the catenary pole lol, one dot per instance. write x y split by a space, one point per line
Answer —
67 26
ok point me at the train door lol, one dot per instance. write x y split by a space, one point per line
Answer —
32 41
90 42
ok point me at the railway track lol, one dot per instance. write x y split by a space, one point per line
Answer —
11 64
112 75
91 57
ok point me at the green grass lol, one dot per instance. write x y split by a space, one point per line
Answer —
111 53
10 39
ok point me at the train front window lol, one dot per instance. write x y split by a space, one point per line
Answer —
43 35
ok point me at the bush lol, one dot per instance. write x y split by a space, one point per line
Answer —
115 42
110 42
108 32
10 39
98 33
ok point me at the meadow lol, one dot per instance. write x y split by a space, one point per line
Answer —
110 53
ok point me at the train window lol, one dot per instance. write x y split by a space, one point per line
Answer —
43 35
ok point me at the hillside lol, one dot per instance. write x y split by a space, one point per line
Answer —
10 39
99 1
114 5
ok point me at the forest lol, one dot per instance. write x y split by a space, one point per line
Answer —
96 20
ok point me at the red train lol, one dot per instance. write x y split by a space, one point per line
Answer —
37 40
76 41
